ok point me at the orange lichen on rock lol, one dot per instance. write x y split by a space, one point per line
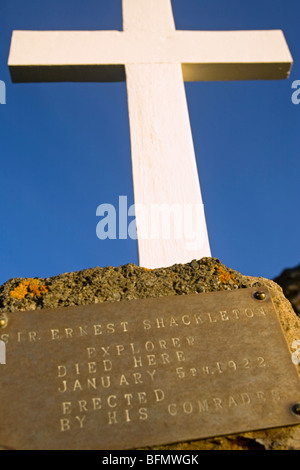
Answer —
225 276
31 287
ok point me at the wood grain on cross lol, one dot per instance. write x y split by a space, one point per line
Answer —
155 59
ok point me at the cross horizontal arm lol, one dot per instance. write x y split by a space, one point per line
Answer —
101 55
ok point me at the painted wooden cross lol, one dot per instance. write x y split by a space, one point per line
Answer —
155 59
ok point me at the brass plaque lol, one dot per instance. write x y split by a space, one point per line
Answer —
145 372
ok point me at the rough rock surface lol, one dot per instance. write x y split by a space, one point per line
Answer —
289 280
132 282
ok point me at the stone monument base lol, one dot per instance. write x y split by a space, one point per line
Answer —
113 284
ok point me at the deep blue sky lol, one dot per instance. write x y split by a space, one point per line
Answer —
65 149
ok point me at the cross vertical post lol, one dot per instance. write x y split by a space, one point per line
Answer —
164 166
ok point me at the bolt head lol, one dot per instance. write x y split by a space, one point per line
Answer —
260 295
3 320
296 409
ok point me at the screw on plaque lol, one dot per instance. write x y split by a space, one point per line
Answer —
296 409
3 320
260 295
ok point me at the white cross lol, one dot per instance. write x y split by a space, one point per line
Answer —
155 59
